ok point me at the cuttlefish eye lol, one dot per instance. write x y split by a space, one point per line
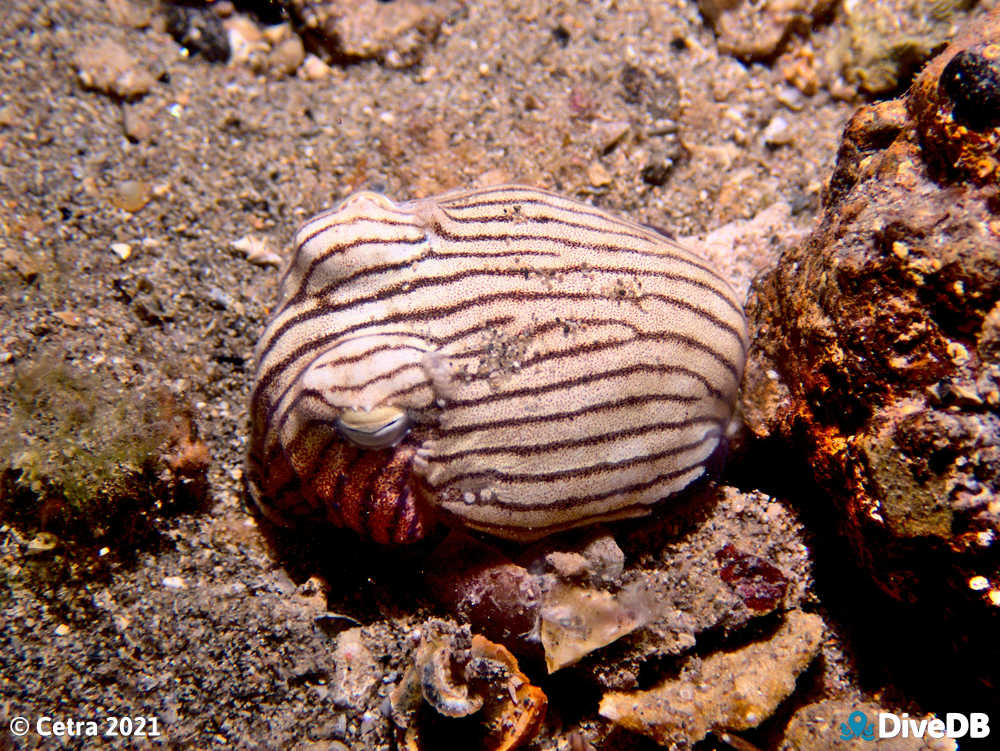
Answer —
379 428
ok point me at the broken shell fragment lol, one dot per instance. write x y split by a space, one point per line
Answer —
515 709
460 677
440 689
576 621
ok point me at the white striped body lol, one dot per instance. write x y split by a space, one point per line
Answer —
558 366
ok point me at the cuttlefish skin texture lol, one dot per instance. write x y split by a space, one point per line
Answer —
506 359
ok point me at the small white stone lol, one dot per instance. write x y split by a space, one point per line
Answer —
62 629
958 353
777 132
257 251
314 69
174 582
122 250
979 583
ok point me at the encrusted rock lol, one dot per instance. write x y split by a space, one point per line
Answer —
756 31
199 31
93 464
731 690
395 34
611 612
956 105
874 340
110 68
839 725
887 41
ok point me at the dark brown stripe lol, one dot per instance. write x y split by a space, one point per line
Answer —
334 249
409 285
534 532
629 401
381 221
436 313
577 245
593 347
588 440
574 472
386 267
560 385
628 229
374 379
358 356
582 500
405 288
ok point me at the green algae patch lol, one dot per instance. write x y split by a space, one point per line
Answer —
86 461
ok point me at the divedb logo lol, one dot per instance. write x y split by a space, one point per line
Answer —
890 725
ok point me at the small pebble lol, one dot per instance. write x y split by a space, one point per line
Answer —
958 353
246 42
174 582
257 251
131 195
979 583
129 13
609 135
41 543
598 175
69 317
490 177
22 263
136 126
286 58
656 173
314 69
122 250
277 33
369 721
108 67
777 132
62 629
